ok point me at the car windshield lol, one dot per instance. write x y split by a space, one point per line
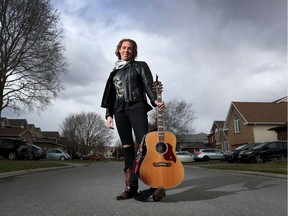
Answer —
254 145
241 147
259 146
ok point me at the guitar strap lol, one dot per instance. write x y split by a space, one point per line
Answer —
140 155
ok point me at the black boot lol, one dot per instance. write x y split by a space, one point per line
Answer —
134 184
158 194
144 194
129 190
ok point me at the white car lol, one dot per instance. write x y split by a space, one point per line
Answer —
57 154
208 154
185 156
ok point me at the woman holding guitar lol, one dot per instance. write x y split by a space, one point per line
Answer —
125 100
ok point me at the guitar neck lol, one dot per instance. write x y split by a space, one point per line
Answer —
160 120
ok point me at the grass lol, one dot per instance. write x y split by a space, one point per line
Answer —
8 165
11 165
270 167
278 167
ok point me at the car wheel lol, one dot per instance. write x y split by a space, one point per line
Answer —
30 156
62 158
12 156
259 159
206 158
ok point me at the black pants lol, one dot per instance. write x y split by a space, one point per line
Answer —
127 122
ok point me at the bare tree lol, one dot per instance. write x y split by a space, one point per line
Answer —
31 58
178 117
86 131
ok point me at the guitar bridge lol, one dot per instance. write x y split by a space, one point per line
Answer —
162 164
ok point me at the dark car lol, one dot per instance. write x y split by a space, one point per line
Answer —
236 155
37 152
15 149
266 152
79 156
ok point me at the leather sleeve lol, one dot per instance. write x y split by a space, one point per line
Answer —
147 80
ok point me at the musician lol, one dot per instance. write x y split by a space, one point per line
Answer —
125 100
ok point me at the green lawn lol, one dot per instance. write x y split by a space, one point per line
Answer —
279 167
8 166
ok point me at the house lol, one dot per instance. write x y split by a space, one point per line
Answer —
215 132
48 140
16 133
19 129
251 122
190 142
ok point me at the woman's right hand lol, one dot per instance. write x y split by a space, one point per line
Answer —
109 122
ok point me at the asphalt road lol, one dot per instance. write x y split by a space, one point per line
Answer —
91 190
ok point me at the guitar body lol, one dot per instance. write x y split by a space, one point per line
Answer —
161 166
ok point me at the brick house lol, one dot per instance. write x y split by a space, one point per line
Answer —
252 122
19 129
215 133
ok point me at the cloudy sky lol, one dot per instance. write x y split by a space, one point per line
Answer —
206 52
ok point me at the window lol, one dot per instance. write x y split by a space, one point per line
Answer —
271 146
225 145
236 124
217 133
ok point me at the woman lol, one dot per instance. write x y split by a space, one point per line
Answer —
125 99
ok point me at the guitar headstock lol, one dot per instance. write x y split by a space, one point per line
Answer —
157 86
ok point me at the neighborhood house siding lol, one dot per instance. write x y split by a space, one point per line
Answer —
262 134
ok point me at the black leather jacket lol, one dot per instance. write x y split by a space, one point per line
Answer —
139 79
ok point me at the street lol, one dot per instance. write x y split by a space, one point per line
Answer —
91 191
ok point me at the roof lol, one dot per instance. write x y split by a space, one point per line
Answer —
15 122
218 124
201 137
12 131
261 112
50 134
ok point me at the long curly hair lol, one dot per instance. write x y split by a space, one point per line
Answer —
135 47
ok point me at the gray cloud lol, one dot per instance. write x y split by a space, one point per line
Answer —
208 52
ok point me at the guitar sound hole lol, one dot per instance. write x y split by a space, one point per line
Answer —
161 147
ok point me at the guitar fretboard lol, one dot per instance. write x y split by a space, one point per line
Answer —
160 122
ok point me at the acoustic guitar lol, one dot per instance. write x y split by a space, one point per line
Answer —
161 166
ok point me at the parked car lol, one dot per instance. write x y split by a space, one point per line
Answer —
236 155
185 156
15 149
93 157
227 155
80 156
266 151
208 154
37 152
58 154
